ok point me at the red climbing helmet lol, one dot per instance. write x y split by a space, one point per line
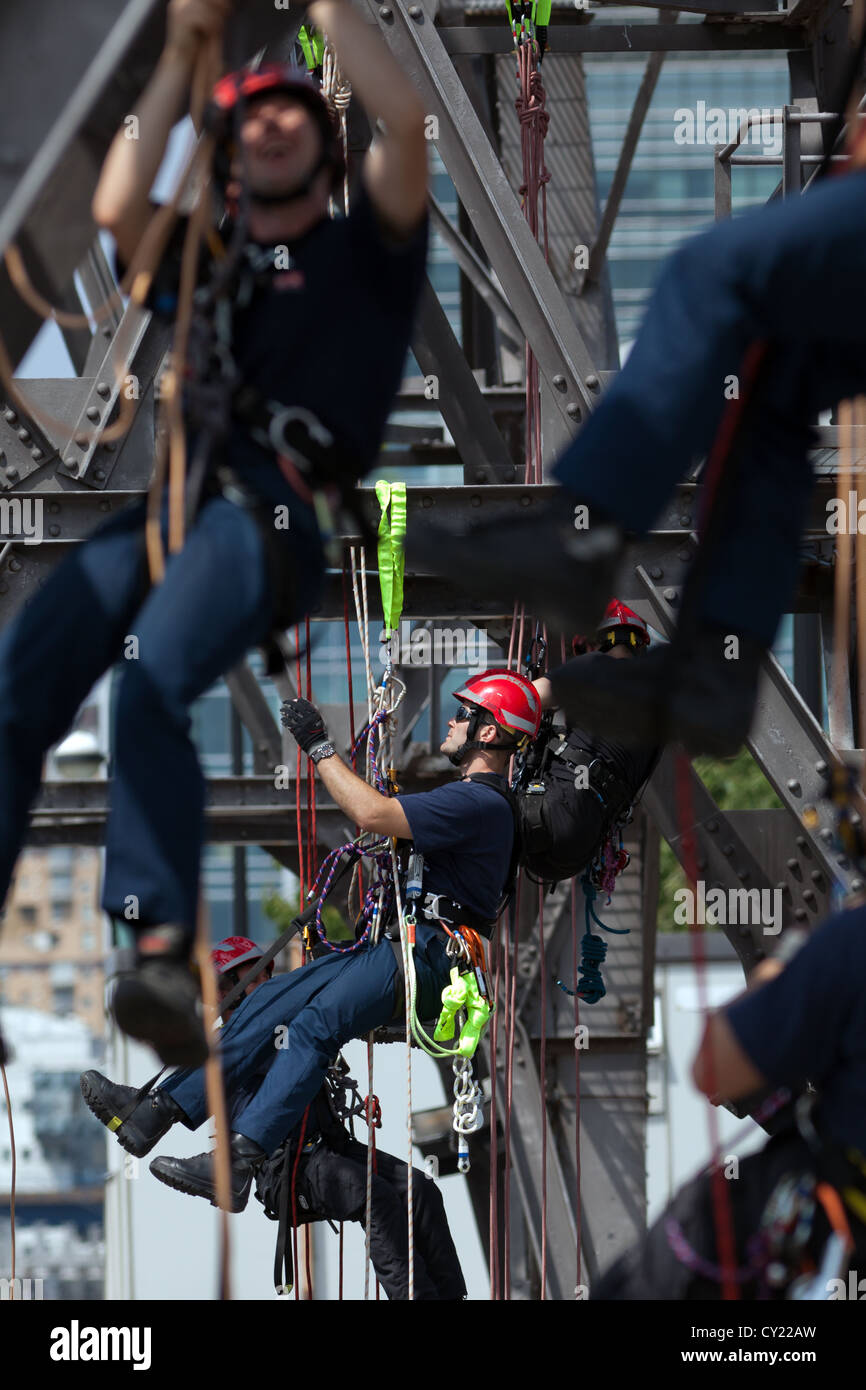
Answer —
512 700
275 77
234 951
621 624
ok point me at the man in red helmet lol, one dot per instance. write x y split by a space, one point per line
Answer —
300 329
465 832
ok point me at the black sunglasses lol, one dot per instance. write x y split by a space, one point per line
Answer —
464 712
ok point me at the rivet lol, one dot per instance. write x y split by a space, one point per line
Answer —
794 786
526 500
9 415
480 475
727 850
821 768
559 381
817 878
93 413
684 555
592 381
99 475
385 11
25 436
104 390
71 465
415 11
110 446
808 895
54 530
712 825
685 521
12 474
36 454
82 442
670 595
573 409
826 833
856 885
657 573
802 842
801 915
14 565
793 864
426 501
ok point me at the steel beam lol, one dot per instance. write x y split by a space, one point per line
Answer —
765 33
480 278
723 856
481 185
464 410
795 756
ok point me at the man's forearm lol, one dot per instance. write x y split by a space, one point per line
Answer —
377 79
362 803
132 164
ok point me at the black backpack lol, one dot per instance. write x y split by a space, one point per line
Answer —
563 825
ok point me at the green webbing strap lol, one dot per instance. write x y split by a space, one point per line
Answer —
313 47
392 533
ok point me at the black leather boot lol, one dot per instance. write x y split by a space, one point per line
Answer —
195 1176
159 1002
150 1119
563 572
706 702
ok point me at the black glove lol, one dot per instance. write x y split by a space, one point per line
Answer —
304 723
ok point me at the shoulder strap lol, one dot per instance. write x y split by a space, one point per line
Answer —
498 783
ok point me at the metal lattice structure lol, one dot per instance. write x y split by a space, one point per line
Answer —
94 58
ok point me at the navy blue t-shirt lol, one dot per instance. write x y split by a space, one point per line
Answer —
809 1023
465 831
329 331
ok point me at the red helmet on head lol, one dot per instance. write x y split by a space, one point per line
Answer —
234 951
621 624
274 77
510 698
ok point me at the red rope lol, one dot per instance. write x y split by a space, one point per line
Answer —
542 1078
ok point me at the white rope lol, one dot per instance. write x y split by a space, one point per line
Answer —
408 995
337 91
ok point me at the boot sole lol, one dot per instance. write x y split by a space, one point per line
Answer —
178 1038
181 1183
106 1116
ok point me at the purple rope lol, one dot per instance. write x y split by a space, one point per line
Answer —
381 857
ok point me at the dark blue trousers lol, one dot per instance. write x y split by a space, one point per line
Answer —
294 1025
213 605
793 273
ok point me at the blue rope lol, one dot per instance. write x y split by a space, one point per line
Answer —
593 949
590 894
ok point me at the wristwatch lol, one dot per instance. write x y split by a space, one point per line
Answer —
322 750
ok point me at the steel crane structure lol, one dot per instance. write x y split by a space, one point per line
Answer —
93 60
